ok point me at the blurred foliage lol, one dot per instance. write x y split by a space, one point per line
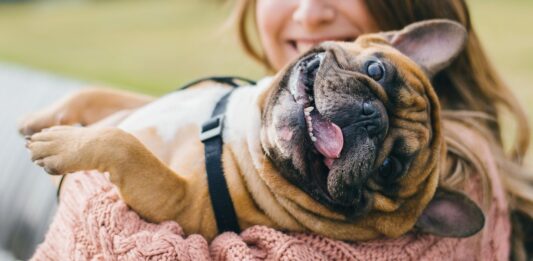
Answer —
149 46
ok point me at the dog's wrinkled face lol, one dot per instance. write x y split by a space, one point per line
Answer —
348 121
356 125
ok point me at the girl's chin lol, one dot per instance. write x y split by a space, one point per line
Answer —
289 53
292 53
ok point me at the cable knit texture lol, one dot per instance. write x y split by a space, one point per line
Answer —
92 223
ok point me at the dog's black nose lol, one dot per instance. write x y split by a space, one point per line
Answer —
374 116
369 109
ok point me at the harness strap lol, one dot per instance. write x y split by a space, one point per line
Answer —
221 202
233 81
211 136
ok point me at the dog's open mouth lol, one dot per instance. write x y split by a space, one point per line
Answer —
326 136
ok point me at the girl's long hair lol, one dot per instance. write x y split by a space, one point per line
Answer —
470 91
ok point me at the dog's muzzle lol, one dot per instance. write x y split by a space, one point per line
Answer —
345 124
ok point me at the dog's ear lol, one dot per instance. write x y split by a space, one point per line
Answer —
432 44
451 214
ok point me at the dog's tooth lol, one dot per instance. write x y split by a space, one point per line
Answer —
313 139
309 109
306 113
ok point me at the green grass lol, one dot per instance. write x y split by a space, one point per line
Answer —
154 46
506 30
149 46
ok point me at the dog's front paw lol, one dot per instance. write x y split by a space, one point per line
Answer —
54 149
65 149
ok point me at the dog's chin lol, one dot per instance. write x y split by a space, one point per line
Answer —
328 180
329 188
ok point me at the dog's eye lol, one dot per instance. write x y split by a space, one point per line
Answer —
390 169
375 70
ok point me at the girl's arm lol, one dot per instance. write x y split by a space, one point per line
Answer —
84 107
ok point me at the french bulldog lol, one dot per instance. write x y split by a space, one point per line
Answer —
344 142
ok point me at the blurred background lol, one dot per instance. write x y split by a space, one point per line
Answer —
48 48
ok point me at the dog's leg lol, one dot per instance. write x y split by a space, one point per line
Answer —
84 107
112 120
145 183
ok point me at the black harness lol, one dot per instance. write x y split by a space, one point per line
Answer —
211 136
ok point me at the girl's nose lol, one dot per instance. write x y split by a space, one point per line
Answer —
313 13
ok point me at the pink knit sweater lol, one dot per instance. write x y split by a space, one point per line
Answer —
92 223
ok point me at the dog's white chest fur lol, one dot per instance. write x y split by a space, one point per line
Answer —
195 106
175 110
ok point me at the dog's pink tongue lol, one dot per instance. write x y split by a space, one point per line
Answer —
329 139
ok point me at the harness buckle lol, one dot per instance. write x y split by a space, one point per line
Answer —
212 128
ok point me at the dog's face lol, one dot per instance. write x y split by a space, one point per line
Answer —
356 125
